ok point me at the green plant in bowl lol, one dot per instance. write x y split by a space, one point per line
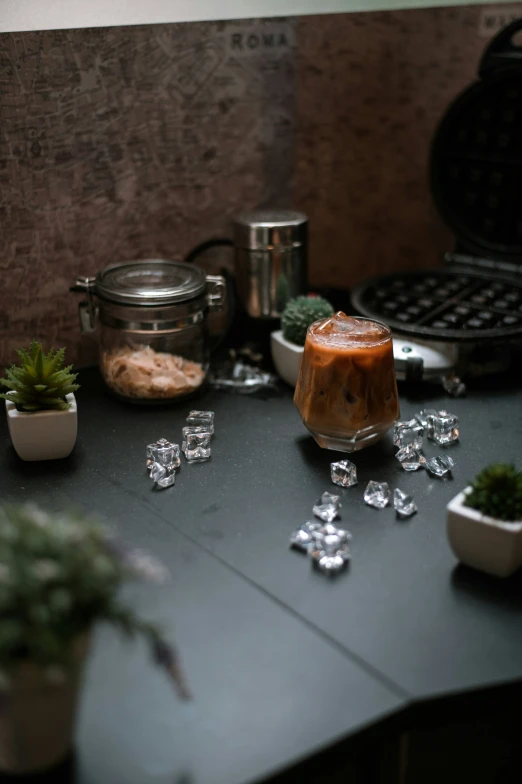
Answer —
299 313
497 492
40 382
61 575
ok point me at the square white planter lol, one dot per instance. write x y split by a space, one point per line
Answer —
286 356
43 435
491 545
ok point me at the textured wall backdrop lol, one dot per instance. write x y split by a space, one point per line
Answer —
127 143
130 142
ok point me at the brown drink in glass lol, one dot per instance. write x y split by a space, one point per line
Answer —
346 392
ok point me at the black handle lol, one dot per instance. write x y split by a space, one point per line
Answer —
204 246
502 52
193 254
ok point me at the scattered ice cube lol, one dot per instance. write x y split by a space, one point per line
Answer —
443 428
164 453
327 507
453 385
163 476
243 378
410 458
202 419
406 433
330 538
422 416
331 563
302 538
377 494
193 429
440 466
157 472
151 449
403 503
343 473
196 443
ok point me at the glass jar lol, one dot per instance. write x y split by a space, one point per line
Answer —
151 319
346 392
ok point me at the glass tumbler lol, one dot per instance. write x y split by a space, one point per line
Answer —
346 392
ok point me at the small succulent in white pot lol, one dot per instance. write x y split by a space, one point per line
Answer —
60 575
287 344
484 522
40 404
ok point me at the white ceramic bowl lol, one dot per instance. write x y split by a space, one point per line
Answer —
286 356
493 546
43 435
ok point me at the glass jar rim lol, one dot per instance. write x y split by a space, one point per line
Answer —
150 282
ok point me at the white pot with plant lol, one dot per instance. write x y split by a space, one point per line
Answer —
287 343
484 522
60 575
41 407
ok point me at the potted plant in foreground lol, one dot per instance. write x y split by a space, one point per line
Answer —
40 404
484 522
60 574
287 344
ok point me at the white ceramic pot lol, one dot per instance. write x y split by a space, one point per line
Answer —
286 356
43 435
491 545
38 715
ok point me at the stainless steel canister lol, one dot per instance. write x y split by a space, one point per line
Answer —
270 259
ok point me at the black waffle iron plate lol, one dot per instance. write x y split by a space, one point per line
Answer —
476 181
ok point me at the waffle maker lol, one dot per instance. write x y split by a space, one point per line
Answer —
467 316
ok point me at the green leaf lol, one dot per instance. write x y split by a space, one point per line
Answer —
35 349
24 356
39 362
56 362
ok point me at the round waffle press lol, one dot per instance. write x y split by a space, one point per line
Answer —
476 180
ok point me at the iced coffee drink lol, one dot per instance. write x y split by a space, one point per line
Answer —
346 392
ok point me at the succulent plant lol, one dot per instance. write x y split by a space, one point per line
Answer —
497 492
40 381
299 314
60 574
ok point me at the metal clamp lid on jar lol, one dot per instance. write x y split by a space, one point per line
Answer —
150 287
270 229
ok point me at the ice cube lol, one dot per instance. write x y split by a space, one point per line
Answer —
377 494
330 538
440 466
410 432
343 473
196 443
202 419
326 507
302 538
422 416
443 428
163 452
162 476
331 563
411 459
453 385
403 503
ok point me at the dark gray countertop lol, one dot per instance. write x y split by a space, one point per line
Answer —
283 661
